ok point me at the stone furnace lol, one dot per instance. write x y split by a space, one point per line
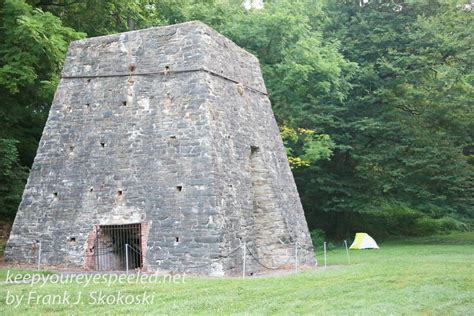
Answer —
161 149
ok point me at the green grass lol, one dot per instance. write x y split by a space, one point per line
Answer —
415 276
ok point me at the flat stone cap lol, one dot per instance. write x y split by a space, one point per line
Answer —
190 46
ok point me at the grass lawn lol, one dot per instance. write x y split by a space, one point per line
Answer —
415 276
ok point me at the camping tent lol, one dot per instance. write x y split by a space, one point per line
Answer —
364 241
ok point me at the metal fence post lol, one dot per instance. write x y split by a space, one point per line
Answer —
245 253
347 252
296 256
126 258
39 255
325 257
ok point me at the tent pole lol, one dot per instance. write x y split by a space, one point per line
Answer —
245 255
296 256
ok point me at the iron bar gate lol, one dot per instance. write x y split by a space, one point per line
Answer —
110 250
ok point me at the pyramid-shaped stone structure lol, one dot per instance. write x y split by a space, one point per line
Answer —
161 150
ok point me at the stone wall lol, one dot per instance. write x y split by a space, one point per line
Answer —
170 127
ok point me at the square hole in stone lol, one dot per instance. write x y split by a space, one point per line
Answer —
179 188
254 149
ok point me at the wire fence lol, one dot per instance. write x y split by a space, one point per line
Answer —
245 248
247 253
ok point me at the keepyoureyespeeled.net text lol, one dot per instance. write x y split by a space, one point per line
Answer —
39 279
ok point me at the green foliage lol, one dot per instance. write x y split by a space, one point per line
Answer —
318 147
318 237
390 218
403 127
304 146
428 226
104 17
12 177
32 49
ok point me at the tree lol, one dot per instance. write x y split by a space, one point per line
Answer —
32 49
96 18
409 114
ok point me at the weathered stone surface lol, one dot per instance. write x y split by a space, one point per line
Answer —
170 127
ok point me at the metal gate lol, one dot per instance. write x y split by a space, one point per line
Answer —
117 244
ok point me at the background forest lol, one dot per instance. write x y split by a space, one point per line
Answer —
374 100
